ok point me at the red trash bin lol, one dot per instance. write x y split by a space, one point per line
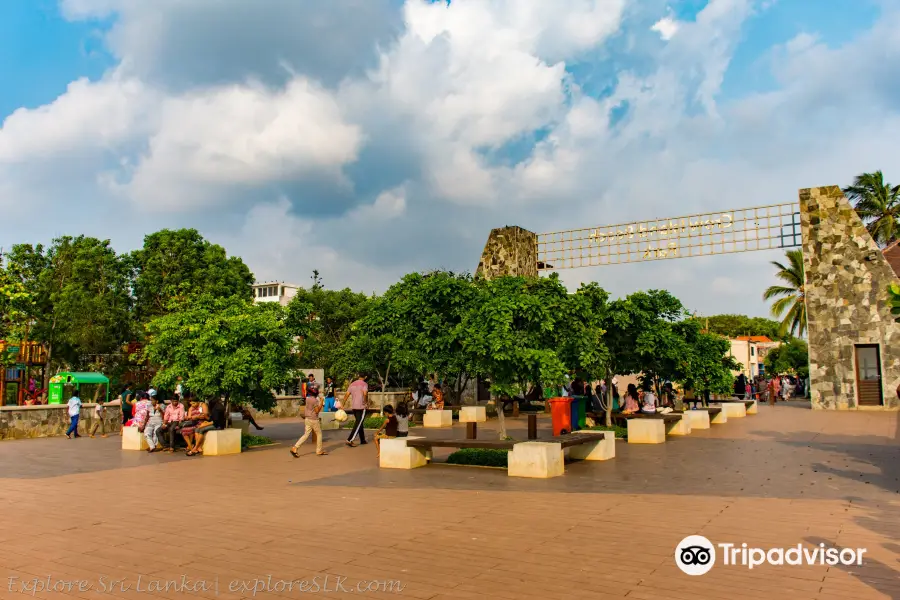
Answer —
561 414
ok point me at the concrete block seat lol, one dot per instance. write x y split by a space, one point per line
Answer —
534 459
473 414
734 410
438 418
220 442
328 422
133 439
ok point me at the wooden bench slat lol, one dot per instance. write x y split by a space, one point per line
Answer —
483 444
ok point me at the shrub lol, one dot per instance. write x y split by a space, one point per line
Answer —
249 441
480 456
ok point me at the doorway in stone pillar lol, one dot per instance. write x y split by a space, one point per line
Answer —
868 375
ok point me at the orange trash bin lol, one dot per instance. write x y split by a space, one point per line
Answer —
561 415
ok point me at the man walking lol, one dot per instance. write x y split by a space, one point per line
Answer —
358 393
311 421
74 416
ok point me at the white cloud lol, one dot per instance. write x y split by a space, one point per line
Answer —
388 122
666 27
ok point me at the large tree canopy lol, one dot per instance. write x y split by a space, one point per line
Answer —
733 326
791 357
177 264
224 347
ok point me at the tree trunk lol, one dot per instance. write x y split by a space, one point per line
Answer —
609 397
501 418
46 385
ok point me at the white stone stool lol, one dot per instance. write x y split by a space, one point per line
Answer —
646 431
133 439
438 418
603 448
699 418
734 410
220 442
472 414
538 460
680 427
753 408
395 454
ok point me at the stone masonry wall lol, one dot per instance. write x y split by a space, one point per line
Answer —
509 251
49 420
846 299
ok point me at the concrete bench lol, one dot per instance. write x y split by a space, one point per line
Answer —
601 447
734 410
646 431
473 414
133 439
220 442
752 407
438 418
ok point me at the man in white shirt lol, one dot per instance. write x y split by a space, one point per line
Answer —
74 414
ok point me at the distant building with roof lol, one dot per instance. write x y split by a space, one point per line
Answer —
750 352
274 291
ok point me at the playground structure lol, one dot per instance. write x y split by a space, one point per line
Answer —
27 357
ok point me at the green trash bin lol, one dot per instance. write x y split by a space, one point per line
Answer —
579 409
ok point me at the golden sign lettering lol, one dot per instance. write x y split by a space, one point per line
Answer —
662 229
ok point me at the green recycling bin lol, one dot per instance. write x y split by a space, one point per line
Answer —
579 409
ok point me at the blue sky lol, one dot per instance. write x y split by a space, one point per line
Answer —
367 139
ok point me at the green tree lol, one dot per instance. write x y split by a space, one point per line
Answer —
378 345
224 347
894 295
177 264
706 365
514 332
878 205
331 314
80 298
15 302
790 298
732 326
431 307
791 357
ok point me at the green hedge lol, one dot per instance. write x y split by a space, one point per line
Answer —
480 456
621 432
249 441
369 423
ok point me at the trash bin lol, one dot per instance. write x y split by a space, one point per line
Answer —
561 415
579 410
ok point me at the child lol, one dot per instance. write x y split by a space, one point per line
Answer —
402 420
99 412
388 429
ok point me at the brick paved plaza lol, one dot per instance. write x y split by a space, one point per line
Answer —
85 510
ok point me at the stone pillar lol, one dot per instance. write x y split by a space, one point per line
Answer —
509 251
847 301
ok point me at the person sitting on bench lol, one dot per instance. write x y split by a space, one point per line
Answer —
648 402
632 400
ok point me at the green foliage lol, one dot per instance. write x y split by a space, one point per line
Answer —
224 347
894 293
514 331
706 366
621 432
332 315
368 423
791 357
790 300
878 205
483 457
175 265
80 301
15 305
732 326
249 441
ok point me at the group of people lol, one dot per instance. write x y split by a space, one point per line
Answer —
355 399
770 389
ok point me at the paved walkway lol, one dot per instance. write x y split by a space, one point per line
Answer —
84 510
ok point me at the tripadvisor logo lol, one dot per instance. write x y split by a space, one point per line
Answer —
696 555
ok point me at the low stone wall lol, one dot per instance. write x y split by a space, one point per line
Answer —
292 407
50 420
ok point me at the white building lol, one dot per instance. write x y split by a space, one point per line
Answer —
274 291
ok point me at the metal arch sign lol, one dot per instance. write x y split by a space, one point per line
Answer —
742 230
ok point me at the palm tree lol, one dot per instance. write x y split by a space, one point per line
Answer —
878 205
791 300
